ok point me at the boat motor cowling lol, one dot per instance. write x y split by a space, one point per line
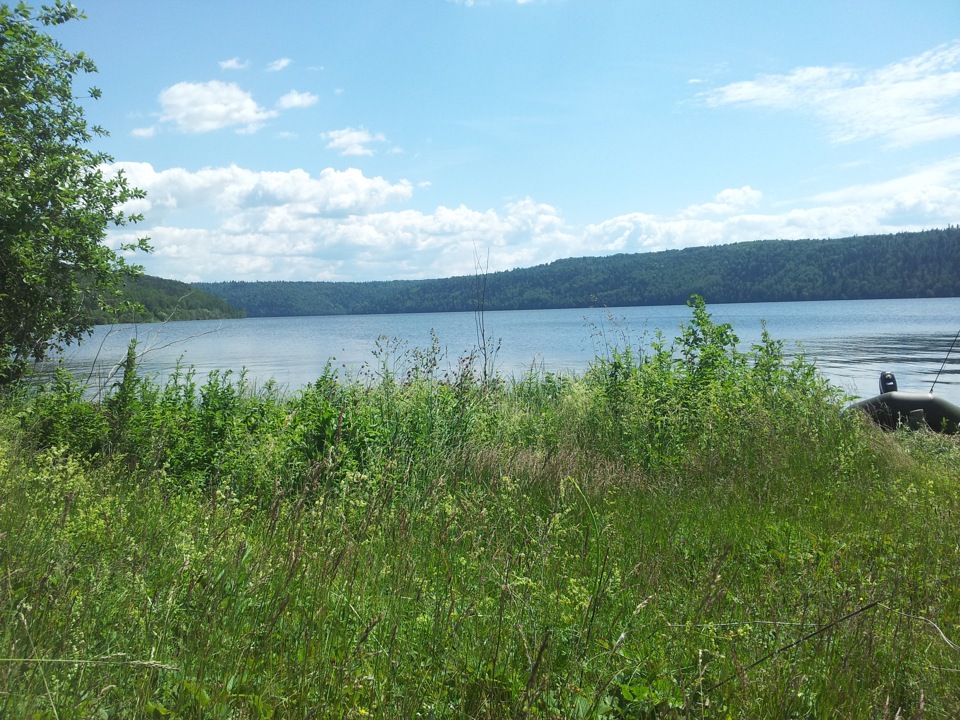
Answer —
888 382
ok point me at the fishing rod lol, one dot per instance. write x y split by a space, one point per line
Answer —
944 363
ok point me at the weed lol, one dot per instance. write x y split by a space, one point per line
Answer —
686 530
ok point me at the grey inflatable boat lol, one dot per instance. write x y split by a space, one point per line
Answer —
893 408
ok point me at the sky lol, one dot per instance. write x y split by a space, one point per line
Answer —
398 139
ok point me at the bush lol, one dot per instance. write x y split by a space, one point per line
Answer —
684 531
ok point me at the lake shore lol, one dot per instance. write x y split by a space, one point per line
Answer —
707 536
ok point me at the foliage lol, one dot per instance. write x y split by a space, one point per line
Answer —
145 298
692 530
919 264
56 201
679 402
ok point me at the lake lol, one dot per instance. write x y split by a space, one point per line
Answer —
851 342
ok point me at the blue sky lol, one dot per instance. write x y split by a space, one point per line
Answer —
387 139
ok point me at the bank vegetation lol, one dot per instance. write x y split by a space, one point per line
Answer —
683 531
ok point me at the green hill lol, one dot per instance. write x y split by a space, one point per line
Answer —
161 299
920 264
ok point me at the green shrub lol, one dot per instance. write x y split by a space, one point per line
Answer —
686 530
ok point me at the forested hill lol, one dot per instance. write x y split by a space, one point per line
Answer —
163 299
905 265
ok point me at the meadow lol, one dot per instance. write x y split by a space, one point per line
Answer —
686 530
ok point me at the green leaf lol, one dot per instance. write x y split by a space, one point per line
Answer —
56 201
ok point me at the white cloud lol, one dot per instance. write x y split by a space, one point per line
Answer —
231 191
146 132
727 201
912 101
204 107
944 174
235 223
294 99
231 222
278 65
926 198
234 64
352 141
640 232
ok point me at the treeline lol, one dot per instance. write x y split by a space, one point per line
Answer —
905 265
158 300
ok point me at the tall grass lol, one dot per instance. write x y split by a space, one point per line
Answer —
683 531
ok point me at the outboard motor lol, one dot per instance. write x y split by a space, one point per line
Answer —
888 383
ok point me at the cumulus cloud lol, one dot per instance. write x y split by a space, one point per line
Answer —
204 107
232 222
925 198
232 191
352 141
235 223
234 64
294 99
912 101
278 65
727 201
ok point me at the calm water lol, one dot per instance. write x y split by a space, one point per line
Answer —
850 341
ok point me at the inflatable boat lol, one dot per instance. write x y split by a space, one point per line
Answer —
893 408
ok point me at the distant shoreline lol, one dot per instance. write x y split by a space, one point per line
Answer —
900 266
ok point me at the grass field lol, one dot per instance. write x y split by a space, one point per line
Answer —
685 530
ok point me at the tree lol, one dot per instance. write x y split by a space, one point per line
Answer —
57 197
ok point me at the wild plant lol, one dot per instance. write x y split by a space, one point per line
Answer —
687 530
